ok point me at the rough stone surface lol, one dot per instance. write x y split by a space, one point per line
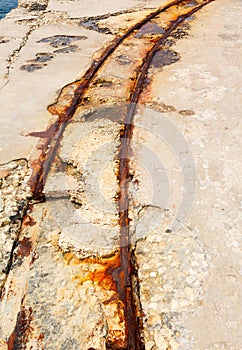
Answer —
56 256
110 24
33 5
90 220
203 91
29 59
14 193
78 309
85 10
172 268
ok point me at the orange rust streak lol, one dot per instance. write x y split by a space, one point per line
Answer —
103 273
134 341
111 275
66 112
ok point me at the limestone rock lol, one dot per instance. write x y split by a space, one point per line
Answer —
14 191
33 5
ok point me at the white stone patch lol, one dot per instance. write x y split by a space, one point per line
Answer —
172 267
88 216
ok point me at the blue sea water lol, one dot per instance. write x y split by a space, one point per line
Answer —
6 6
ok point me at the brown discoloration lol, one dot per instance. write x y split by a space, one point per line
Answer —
22 330
41 336
66 107
186 112
117 274
102 270
160 106
4 173
104 273
24 247
29 221
127 270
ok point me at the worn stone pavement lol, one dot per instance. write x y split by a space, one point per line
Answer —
186 211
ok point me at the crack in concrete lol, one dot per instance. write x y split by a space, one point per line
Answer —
14 55
114 14
134 270
11 259
91 21
16 218
12 58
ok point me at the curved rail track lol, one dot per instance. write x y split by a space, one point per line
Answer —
66 113
168 18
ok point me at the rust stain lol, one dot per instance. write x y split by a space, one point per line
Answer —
127 270
24 247
41 336
69 99
48 133
117 273
22 330
102 270
40 339
29 221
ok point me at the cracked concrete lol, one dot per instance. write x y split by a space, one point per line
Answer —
82 150
40 94
14 55
206 82
184 188
68 297
14 192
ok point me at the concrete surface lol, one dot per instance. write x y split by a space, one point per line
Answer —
185 190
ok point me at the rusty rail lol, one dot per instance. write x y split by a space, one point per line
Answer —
54 133
124 274
133 331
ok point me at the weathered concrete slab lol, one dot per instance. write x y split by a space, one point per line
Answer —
89 222
38 68
55 318
97 9
203 90
184 189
